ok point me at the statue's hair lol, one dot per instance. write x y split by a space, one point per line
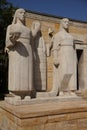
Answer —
15 16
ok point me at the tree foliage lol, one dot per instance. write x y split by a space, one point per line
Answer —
6 13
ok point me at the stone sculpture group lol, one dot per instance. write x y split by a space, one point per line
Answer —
27 53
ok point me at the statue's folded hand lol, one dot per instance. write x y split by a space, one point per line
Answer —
14 36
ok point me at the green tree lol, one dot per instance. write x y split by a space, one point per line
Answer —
6 15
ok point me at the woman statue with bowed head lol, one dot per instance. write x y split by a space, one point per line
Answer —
64 61
20 56
39 50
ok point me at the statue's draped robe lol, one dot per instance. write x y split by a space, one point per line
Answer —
20 60
65 74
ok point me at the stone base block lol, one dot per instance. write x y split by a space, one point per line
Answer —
41 98
65 115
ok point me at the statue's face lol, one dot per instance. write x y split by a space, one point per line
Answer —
65 23
21 15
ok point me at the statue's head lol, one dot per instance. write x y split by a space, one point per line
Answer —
19 14
64 24
36 27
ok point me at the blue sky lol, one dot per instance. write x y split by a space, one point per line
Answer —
74 9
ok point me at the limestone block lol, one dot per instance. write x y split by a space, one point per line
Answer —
56 115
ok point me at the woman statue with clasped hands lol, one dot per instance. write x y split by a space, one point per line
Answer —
20 56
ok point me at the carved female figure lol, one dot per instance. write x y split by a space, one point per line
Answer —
39 50
20 55
64 60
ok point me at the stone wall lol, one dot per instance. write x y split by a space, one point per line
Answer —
77 28
64 115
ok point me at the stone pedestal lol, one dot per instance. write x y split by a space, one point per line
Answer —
59 115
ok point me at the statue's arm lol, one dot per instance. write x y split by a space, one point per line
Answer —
11 37
9 44
49 47
44 45
55 58
56 48
51 43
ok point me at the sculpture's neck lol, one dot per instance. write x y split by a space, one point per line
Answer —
64 30
20 22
